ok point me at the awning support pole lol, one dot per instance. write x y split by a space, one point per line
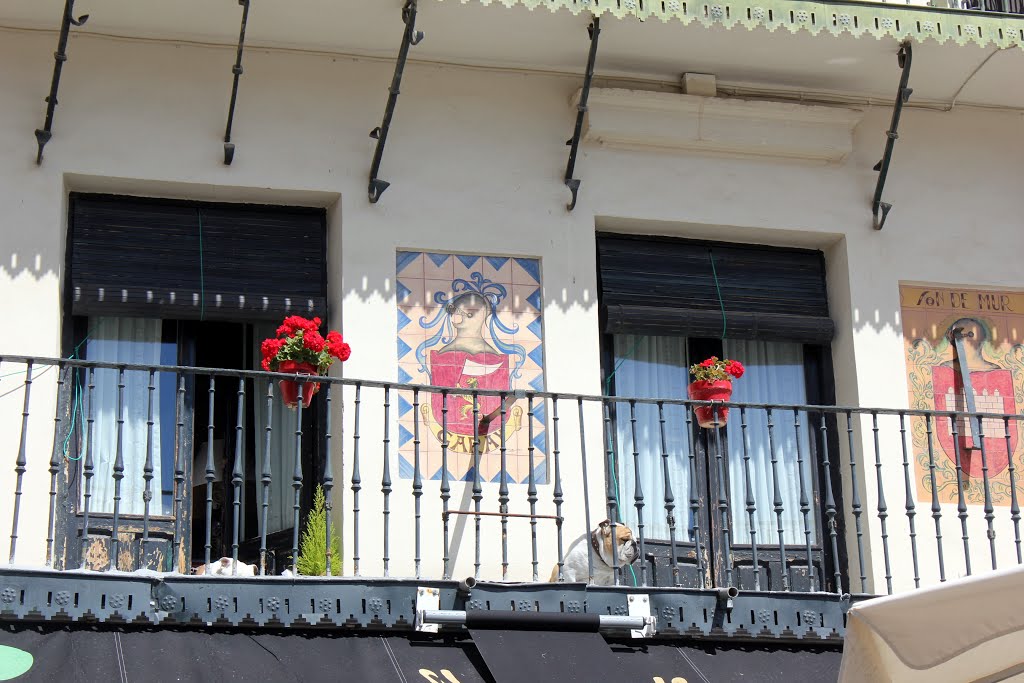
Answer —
646 625
229 147
44 134
904 58
409 38
581 109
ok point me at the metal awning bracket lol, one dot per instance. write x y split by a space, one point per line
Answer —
581 110
410 38
229 147
639 605
879 209
44 134
427 599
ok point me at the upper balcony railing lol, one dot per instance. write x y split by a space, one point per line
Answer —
131 466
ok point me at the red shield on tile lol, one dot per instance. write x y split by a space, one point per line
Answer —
993 393
462 370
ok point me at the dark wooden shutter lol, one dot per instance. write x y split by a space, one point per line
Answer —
666 286
166 259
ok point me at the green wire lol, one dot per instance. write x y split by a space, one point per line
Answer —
718 288
613 467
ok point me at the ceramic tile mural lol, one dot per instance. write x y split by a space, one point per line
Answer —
994 324
465 322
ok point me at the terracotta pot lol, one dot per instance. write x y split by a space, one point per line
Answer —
290 388
703 390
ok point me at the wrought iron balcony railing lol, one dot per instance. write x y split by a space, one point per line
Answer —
129 467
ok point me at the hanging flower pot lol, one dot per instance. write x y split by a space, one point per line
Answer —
703 390
290 388
299 349
713 382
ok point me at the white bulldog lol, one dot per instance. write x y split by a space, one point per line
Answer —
222 567
599 541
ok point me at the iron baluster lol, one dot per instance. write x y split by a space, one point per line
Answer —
445 485
1014 507
961 505
777 504
179 474
557 492
723 498
266 477
855 504
409 38
210 471
611 493
904 58
695 498
417 479
750 500
586 501
989 509
594 30
936 508
229 147
147 468
909 504
88 469
531 486
805 504
297 476
357 483
237 476
503 496
638 494
20 465
385 480
68 20
328 482
830 506
670 499
883 509
118 475
477 488
55 456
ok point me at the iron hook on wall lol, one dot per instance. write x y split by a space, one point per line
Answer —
44 134
229 147
581 109
409 38
880 209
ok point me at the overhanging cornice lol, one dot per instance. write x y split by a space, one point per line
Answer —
858 19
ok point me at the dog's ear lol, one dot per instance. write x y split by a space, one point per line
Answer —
605 527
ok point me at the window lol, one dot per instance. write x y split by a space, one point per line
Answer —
157 282
667 304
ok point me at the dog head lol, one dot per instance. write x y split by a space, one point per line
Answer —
623 547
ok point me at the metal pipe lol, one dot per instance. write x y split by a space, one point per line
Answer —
513 619
904 58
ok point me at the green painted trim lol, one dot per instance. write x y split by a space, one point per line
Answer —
880 20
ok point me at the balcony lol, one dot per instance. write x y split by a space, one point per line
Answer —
768 525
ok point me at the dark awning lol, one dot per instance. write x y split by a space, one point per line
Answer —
78 653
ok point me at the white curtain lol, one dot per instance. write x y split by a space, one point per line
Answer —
775 374
652 367
280 513
137 341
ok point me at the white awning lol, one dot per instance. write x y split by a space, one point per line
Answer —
969 630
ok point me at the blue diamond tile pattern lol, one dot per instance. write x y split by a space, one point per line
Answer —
531 266
534 299
439 259
404 258
468 261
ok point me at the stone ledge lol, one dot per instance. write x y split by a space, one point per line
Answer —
636 119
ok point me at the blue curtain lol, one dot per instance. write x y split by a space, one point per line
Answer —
775 374
136 341
652 367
